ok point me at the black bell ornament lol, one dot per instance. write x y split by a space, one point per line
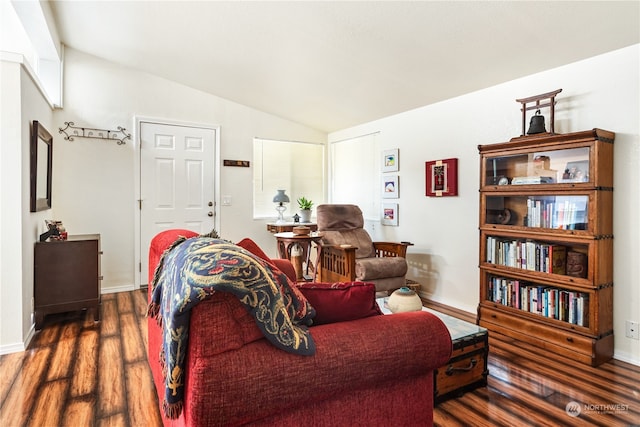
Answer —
536 125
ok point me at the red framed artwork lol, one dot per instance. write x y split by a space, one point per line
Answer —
442 177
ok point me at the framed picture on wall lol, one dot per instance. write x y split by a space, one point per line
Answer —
390 214
390 160
390 186
442 177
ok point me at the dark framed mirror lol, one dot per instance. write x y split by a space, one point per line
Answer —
41 165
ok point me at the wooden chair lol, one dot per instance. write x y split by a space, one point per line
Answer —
347 252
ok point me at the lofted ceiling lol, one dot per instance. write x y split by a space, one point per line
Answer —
333 65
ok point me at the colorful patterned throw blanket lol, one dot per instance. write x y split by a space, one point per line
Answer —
193 269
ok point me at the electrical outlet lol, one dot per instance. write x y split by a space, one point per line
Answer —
631 330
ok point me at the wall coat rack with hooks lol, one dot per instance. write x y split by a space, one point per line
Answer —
71 131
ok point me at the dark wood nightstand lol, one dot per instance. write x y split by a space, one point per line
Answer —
67 276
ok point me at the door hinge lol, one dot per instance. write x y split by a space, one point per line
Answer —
139 267
140 204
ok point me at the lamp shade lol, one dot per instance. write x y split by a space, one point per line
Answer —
281 197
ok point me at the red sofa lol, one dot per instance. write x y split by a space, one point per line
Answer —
372 371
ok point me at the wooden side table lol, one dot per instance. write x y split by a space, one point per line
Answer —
288 240
287 227
67 276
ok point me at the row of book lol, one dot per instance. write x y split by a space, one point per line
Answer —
527 254
528 180
567 214
568 306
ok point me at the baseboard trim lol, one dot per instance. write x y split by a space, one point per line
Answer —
627 358
19 346
451 311
12 348
116 289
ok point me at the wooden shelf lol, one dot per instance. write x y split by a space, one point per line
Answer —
568 311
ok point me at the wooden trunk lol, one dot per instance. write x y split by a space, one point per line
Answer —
466 370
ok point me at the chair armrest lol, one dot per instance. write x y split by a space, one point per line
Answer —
336 263
384 249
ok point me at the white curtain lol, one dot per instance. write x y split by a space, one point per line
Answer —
355 173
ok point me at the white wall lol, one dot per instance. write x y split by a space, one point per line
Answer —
93 179
10 203
599 92
94 183
22 102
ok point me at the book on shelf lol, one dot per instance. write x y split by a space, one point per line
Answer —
527 255
543 300
558 259
565 213
525 180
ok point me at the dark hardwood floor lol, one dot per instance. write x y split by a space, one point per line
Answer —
80 373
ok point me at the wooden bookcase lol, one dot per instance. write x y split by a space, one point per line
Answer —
546 243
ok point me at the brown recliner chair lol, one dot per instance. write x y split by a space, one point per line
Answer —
347 252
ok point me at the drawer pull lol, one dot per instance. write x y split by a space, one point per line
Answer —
450 369
569 339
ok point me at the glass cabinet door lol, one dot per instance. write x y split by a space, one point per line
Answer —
540 167
560 212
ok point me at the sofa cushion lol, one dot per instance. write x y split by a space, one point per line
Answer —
340 302
339 217
302 310
283 265
253 247
380 268
343 224
355 365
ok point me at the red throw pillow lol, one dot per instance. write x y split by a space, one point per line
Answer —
253 247
302 311
281 264
341 302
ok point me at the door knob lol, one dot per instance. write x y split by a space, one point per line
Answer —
210 213
210 203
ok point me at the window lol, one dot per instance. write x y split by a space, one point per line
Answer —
296 167
25 29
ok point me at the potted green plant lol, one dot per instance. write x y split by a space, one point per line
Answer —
305 206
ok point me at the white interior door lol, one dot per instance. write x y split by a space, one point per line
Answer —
177 173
